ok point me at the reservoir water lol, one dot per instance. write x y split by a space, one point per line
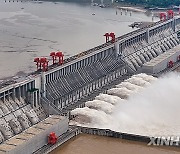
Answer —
34 29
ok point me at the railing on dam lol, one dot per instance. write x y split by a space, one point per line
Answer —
130 34
100 47
109 43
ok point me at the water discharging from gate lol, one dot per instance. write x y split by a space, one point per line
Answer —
141 105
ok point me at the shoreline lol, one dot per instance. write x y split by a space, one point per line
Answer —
134 9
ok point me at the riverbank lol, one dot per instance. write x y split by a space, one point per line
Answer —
143 9
134 9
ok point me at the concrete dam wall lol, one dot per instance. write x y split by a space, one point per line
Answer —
94 68
29 100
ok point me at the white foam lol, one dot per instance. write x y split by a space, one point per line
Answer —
109 98
153 111
129 86
145 77
138 81
100 105
120 92
98 118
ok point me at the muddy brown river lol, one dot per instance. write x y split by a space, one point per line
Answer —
92 144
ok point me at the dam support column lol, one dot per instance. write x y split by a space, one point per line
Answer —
13 94
147 35
43 84
33 97
19 94
116 47
174 24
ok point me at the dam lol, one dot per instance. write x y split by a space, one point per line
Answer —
28 103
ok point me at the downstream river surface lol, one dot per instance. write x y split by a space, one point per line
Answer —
92 144
34 29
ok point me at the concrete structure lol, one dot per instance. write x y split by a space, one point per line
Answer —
20 108
126 136
27 101
92 69
35 137
72 132
161 62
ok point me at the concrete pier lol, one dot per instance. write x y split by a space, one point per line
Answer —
35 137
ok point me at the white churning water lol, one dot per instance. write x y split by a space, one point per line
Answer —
151 107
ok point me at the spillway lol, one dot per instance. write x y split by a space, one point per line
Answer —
129 86
146 77
134 115
103 106
108 98
123 92
100 105
90 117
138 81
123 99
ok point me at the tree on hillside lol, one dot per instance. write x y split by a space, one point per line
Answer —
160 3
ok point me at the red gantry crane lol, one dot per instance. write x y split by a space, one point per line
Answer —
41 63
56 55
170 14
108 35
163 16
166 15
53 55
61 57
